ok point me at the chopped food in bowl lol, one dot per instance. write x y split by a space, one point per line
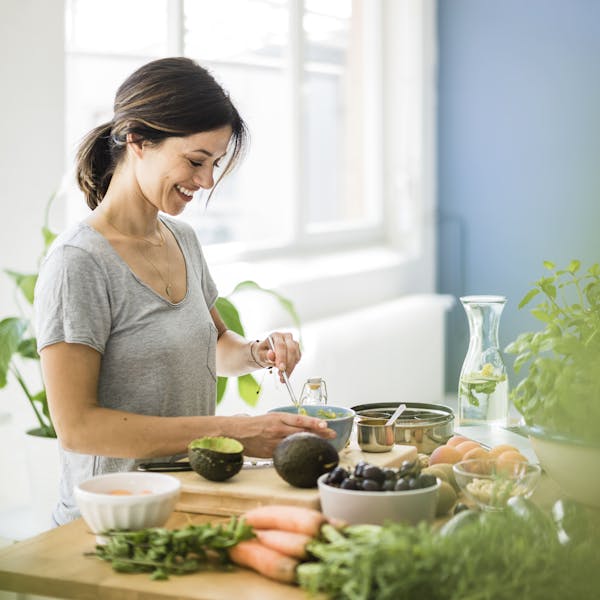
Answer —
491 482
129 500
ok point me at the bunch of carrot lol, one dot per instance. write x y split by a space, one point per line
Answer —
282 534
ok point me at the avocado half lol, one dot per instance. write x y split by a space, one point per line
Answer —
302 457
216 458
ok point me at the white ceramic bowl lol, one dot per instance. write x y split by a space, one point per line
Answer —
149 501
355 506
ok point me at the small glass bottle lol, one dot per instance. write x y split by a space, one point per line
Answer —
314 391
483 384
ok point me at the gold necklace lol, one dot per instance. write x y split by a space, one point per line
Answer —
139 237
167 281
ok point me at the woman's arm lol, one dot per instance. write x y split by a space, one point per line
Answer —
71 374
237 356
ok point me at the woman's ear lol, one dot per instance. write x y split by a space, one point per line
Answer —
135 142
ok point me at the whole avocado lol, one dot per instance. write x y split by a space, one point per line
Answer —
301 458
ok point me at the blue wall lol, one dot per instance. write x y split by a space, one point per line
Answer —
518 150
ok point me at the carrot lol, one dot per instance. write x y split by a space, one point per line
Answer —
263 560
286 518
289 543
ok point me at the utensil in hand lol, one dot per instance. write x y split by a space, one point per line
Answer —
396 414
285 377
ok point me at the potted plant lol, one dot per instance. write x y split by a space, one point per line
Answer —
559 397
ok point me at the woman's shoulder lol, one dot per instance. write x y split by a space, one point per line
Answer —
80 241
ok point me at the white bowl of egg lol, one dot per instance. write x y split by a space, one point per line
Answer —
130 500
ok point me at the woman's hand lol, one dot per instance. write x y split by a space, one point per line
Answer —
260 435
284 357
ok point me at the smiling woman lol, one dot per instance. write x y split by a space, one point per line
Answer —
129 335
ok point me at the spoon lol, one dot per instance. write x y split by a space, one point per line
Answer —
285 377
396 414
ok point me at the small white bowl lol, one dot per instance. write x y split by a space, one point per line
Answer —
357 506
149 502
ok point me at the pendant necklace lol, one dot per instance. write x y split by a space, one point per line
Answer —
163 242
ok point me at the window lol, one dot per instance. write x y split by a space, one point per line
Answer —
304 75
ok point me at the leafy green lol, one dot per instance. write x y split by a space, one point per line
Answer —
500 556
164 552
561 389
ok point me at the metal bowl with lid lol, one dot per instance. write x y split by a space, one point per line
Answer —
425 426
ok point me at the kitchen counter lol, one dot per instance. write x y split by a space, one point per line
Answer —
53 564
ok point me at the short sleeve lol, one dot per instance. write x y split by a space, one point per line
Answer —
72 303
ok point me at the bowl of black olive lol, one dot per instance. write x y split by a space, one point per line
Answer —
368 493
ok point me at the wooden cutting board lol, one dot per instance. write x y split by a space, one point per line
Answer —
259 486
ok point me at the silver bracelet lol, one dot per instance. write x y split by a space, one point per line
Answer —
252 353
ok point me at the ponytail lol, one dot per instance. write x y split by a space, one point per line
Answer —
95 164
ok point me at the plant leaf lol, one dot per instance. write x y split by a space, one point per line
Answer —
574 266
286 304
49 237
11 333
230 315
28 348
26 283
549 265
529 296
221 387
248 389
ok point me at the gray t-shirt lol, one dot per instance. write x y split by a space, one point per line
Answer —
158 358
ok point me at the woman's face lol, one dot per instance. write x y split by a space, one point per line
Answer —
168 174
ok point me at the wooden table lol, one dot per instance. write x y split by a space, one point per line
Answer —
53 564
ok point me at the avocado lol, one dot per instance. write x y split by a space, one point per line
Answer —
216 458
302 457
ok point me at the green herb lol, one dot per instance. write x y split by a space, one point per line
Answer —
500 556
476 383
561 390
165 552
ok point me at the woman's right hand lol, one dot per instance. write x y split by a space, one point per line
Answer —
260 435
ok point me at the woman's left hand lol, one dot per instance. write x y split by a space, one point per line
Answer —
285 357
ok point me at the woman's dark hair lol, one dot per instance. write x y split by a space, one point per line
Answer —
169 97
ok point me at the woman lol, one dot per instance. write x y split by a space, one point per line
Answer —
129 337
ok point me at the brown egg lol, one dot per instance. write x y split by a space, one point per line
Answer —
498 450
445 454
476 453
508 462
464 447
456 440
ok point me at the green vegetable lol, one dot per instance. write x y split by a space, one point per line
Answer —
164 552
561 390
498 556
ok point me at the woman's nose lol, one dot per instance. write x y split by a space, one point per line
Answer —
204 178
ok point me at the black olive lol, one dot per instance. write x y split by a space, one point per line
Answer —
413 483
373 472
388 485
349 484
408 468
390 474
358 469
401 485
337 476
426 480
371 485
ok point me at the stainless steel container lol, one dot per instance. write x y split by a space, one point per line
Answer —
373 435
425 426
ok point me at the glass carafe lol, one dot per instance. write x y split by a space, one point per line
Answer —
483 384
314 391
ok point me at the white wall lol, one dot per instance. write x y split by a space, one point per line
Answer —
32 146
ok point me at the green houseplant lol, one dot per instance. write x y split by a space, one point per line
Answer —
559 396
18 343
